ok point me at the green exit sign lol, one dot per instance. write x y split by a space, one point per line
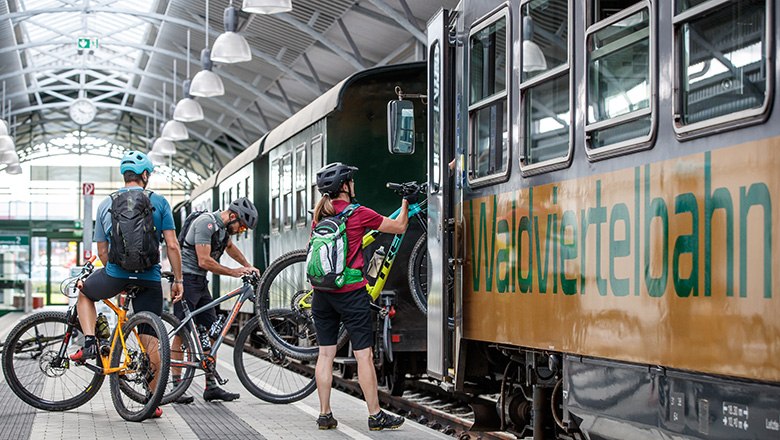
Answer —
87 43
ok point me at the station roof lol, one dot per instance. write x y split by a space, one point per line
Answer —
134 46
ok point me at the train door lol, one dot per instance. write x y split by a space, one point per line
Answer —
441 190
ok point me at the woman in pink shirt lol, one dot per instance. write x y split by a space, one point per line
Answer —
349 304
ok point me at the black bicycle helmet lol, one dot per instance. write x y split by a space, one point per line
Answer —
332 176
245 210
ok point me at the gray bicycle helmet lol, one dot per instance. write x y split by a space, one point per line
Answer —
332 176
245 210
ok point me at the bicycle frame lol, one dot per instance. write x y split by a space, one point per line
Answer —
118 334
244 293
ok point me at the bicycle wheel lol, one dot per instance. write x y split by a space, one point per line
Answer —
266 372
146 360
418 273
183 354
283 287
35 371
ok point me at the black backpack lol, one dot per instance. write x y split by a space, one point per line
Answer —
217 246
135 242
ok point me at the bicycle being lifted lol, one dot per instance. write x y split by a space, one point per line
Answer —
285 290
38 368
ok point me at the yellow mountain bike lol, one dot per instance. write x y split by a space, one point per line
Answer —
283 302
136 356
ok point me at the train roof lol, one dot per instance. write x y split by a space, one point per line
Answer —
244 158
204 186
324 105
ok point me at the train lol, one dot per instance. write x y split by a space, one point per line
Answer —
600 224
602 198
348 123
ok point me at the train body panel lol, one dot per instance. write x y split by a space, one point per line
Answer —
613 215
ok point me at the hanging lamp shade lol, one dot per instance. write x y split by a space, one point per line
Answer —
267 6
3 128
187 109
533 57
7 143
206 83
231 47
9 157
13 168
174 131
164 147
157 158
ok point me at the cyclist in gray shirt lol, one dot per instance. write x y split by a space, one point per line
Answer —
207 238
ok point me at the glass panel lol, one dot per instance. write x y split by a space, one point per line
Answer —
316 165
547 121
623 132
435 87
300 168
684 5
275 214
287 176
487 49
619 68
489 140
275 174
545 30
724 64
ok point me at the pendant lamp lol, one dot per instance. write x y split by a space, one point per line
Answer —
13 168
231 47
3 128
187 109
206 83
267 6
164 147
157 158
9 157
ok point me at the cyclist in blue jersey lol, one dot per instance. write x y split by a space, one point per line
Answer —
113 279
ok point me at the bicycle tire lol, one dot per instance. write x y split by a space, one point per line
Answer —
140 371
418 273
186 348
264 371
283 283
85 382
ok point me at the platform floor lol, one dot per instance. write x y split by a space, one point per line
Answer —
245 418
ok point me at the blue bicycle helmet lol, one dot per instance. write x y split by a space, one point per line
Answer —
136 162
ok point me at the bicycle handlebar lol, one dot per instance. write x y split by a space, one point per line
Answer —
249 278
406 188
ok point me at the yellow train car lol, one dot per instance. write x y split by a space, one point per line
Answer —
603 195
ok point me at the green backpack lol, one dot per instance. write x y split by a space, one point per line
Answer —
326 257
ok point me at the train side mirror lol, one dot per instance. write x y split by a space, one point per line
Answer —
400 127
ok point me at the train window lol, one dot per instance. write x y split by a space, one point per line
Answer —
275 211
287 176
722 65
316 165
488 112
545 87
300 184
619 82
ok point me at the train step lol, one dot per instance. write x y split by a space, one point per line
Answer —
345 361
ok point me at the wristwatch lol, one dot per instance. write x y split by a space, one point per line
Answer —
178 281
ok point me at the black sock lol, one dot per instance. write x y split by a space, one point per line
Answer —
89 341
211 382
176 378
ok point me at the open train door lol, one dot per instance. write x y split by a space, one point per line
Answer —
442 189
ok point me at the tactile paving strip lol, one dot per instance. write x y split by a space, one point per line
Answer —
214 421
